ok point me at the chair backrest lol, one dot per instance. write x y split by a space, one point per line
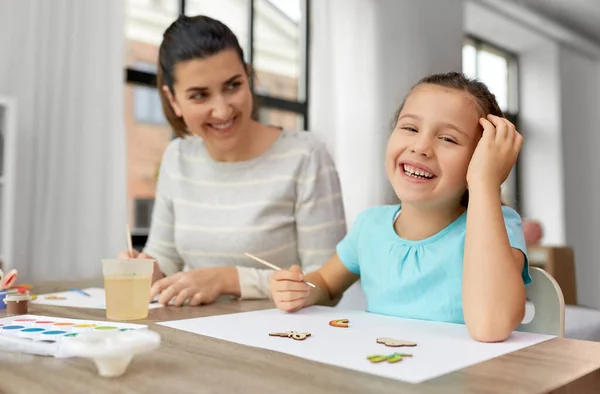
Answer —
549 304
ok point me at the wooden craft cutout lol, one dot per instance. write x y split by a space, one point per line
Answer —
342 323
298 336
391 342
390 358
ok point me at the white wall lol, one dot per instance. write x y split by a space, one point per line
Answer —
414 39
542 174
343 95
580 96
365 55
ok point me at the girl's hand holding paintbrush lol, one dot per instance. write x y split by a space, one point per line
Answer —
290 291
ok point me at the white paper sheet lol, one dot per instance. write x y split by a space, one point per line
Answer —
77 300
441 347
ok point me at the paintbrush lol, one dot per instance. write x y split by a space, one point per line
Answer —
276 268
129 241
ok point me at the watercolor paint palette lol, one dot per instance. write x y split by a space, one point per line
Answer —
54 329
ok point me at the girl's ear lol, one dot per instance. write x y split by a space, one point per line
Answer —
172 100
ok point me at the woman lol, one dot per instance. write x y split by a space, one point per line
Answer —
230 185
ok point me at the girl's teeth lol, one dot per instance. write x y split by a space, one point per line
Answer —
222 126
415 173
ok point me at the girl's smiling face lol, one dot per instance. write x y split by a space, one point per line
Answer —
429 151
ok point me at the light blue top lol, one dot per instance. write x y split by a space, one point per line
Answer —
414 279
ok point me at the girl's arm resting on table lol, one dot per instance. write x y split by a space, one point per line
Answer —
493 289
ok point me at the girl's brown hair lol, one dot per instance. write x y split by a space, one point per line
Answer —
188 38
485 100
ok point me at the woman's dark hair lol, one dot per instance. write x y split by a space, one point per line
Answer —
485 100
188 38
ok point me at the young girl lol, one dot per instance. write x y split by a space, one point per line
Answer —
229 184
451 251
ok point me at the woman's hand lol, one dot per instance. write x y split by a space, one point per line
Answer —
199 286
157 274
289 291
495 154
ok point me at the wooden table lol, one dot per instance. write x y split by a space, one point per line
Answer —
190 363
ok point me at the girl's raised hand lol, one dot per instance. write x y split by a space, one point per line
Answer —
495 154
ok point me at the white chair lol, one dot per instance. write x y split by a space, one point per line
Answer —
549 304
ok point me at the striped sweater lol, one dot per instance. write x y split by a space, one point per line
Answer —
284 206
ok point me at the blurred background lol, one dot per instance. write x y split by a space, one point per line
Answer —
83 131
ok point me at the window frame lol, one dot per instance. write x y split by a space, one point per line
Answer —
299 107
513 111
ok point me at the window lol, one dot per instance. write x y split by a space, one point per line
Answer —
286 119
279 48
273 35
497 68
147 107
234 13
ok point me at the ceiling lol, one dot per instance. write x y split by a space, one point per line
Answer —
580 16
